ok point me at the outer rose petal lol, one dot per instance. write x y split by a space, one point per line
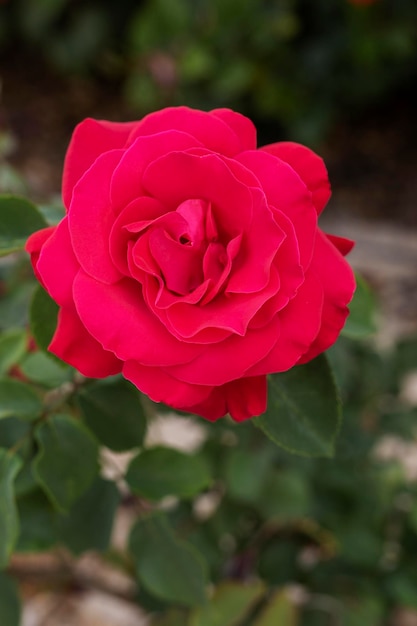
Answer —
242 399
243 127
300 324
211 131
230 359
34 246
74 345
90 139
91 219
180 176
287 193
161 387
118 318
58 266
342 244
308 165
338 282
126 183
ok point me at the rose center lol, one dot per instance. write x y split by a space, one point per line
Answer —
186 247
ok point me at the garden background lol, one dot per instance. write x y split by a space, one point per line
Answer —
289 539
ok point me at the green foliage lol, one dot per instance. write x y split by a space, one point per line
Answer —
12 348
230 603
89 523
66 463
9 601
37 367
19 400
113 412
43 318
248 518
361 321
18 219
279 611
168 568
9 466
304 412
86 526
159 472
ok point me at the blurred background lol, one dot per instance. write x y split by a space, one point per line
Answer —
339 76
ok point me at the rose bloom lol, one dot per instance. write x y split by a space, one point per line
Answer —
190 261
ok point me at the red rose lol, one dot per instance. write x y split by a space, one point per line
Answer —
190 261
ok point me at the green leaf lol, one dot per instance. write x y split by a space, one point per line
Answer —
38 522
18 400
12 348
54 212
159 472
246 471
43 318
10 608
9 523
66 463
113 411
361 320
169 569
89 523
280 611
230 604
41 368
284 496
19 218
26 481
11 430
174 617
304 412
14 304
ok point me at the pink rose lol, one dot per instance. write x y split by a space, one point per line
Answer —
190 261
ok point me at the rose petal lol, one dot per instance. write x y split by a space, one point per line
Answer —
118 318
34 246
252 267
159 299
58 266
126 184
300 323
232 313
181 265
161 387
242 126
208 129
136 217
338 281
342 244
90 139
181 176
286 191
242 399
308 165
91 219
230 359
74 345
290 272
